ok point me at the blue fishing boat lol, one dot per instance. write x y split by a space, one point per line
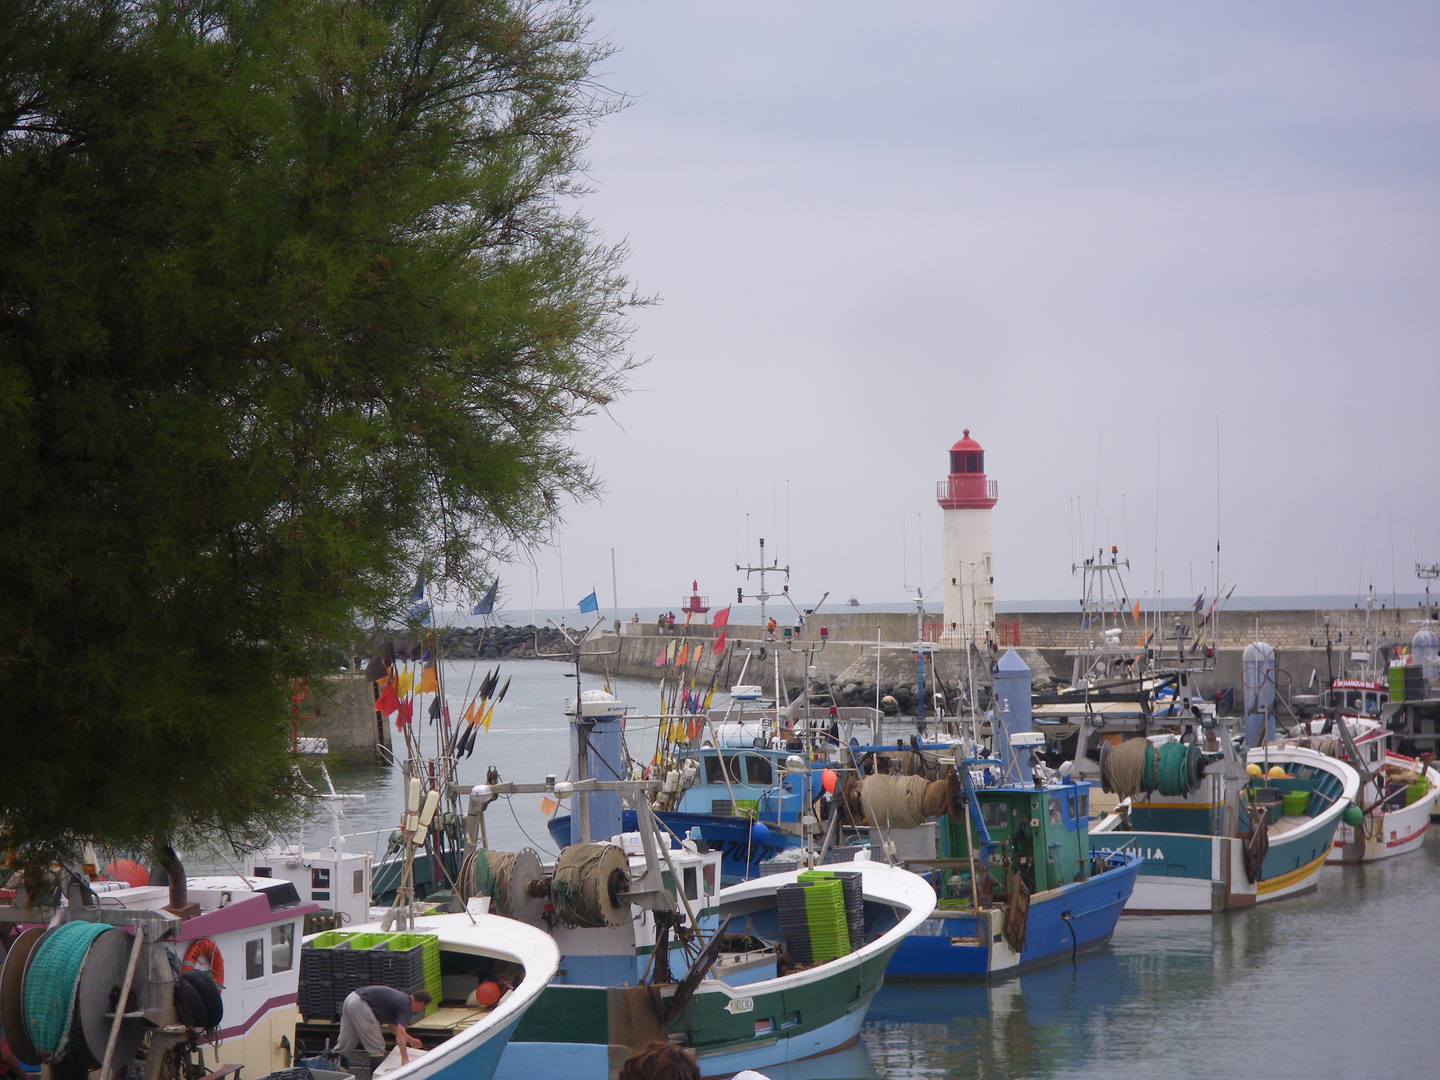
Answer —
1018 883
1017 880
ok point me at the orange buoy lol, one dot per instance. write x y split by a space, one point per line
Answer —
487 993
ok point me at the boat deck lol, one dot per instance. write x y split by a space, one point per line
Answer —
444 1023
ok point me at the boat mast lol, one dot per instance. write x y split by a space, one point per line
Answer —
763 596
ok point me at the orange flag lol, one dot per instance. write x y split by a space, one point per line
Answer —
683 655
1135 611
428 683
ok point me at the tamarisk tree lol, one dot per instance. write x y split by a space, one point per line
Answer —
294 301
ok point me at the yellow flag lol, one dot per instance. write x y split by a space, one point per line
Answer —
404 682
428 683
670 651
485 720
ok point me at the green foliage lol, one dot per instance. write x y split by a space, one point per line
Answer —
290 307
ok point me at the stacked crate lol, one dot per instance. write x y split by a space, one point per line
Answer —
813 919
854 891
337 962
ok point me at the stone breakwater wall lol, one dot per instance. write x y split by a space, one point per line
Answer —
847 666
499 642
1236 628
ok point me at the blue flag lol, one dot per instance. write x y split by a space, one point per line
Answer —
589 603
487 602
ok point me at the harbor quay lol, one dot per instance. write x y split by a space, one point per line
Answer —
841 664
845 654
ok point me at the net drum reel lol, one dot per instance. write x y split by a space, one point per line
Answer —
66 991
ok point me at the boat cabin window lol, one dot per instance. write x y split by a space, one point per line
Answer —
358 885
1082 805
1055 810
758 771
262 871
996 815
282 947
692 883
255 958
713 774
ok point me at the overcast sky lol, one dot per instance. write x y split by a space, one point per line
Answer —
1176 267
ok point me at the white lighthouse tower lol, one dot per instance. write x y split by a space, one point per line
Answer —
969 581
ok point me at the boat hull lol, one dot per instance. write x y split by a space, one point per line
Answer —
1061 923
1191 871
1384 834
730 1025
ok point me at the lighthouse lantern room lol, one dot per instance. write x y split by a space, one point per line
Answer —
968 585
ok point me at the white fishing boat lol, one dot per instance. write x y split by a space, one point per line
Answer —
654 949
212 966
1397 794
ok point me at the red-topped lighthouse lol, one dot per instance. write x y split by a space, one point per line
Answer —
967 497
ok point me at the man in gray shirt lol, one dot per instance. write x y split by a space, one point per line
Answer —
369 1007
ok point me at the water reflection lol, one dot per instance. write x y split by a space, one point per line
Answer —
1327 984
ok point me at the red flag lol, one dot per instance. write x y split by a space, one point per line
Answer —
388 702
406 712
721 617
719 645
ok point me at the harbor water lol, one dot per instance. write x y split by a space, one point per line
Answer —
1341 982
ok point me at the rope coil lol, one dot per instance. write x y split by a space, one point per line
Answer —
1136 765
894 802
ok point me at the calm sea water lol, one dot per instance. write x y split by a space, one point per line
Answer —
1340 983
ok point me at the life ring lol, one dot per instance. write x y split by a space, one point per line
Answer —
204 955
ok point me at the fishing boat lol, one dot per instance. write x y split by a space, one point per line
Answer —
1011 858
1397 793
1213 836
464 1030
213 965
654 947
